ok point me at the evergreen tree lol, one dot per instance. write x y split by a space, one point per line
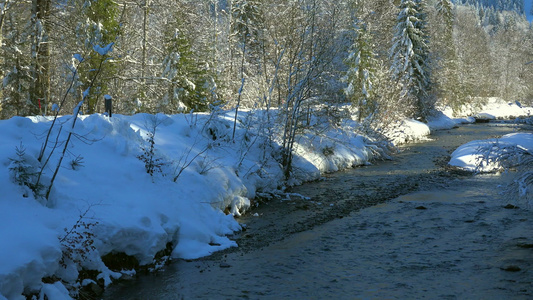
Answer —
190 84
445 9
17 81
100 28
16 65
361 71
410 57
446 78
246 21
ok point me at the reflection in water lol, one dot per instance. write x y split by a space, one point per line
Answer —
451 243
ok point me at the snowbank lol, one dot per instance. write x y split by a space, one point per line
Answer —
492 108
444 120
486 155
496 108
104 197
500 109
408 131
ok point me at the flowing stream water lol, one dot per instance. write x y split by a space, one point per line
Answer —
409 228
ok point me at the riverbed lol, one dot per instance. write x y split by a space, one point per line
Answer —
410 228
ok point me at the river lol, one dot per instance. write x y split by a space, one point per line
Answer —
409 228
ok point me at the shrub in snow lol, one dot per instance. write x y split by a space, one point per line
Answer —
217 130
212 130
24 171
151 163
495 155
207 163
76 163
187 158
78 241
520 190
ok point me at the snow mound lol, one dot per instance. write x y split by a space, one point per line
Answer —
408 131
55 291
485 155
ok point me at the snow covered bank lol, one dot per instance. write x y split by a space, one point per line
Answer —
409 131
497 108
444 120
115 193
493 108
103 180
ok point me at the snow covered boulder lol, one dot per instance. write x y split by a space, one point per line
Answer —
484 117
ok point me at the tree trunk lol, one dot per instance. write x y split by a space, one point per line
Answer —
145 21
40 90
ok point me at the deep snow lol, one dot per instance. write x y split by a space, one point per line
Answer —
130 211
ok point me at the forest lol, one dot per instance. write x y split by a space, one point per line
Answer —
383 59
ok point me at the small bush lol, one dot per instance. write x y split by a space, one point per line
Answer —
78 241
206 164
151 163
24 172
